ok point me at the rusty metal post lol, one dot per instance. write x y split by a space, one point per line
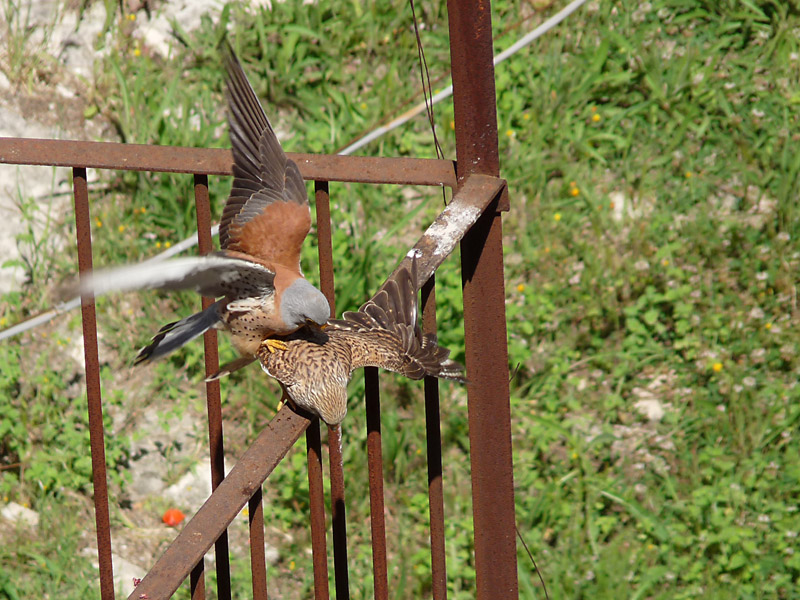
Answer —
322 201
316 499
325 247
338 514
372 402
213 400
316 490
258 557
434 455
470 24
83 231
197 581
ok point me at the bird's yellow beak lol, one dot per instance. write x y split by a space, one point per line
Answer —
314 326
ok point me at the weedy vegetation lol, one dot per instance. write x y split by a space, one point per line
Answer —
651 260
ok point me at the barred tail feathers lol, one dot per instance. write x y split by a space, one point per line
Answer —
177 334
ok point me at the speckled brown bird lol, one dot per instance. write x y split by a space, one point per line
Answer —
257 272
316 367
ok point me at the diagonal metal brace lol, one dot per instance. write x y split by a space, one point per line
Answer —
222 506
473 198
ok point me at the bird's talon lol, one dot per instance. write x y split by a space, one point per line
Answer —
275 345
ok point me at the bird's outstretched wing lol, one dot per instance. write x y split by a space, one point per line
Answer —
267 214
384 333
212 275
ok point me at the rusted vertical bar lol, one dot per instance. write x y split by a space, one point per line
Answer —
325 245
434 445
325 242
470 24
258 557
83 231
197 582
316 498
215 443
372 399
338 514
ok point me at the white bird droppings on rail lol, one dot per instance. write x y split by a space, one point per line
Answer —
449 226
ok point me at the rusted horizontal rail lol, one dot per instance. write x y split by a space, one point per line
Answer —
219 161
222 506
477 193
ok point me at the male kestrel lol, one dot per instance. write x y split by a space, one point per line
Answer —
316 367
257 272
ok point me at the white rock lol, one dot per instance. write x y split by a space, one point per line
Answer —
19 515
650 408
193 489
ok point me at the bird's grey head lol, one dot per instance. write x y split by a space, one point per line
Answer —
302 302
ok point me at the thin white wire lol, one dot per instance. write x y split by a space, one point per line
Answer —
448 91
191 241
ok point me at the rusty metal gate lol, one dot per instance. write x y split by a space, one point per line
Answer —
473 218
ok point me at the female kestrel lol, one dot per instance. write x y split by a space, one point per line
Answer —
257 272
316 366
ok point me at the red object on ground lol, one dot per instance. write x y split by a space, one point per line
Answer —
173 517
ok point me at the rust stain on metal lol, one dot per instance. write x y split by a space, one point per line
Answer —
372 399
219 161
322 202
434 455
94 397
484 307
213 399
258 556
338 515
316 497
223 505
450 226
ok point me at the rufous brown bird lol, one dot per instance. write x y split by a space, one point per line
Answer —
316 366
257 272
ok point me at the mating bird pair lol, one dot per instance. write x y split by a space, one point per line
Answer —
272 313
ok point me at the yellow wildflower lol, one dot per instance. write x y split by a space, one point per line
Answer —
574 191
121 228
767 326
557 216
521 287
167 244
595 117
717 367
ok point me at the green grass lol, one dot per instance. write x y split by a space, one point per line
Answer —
651 254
